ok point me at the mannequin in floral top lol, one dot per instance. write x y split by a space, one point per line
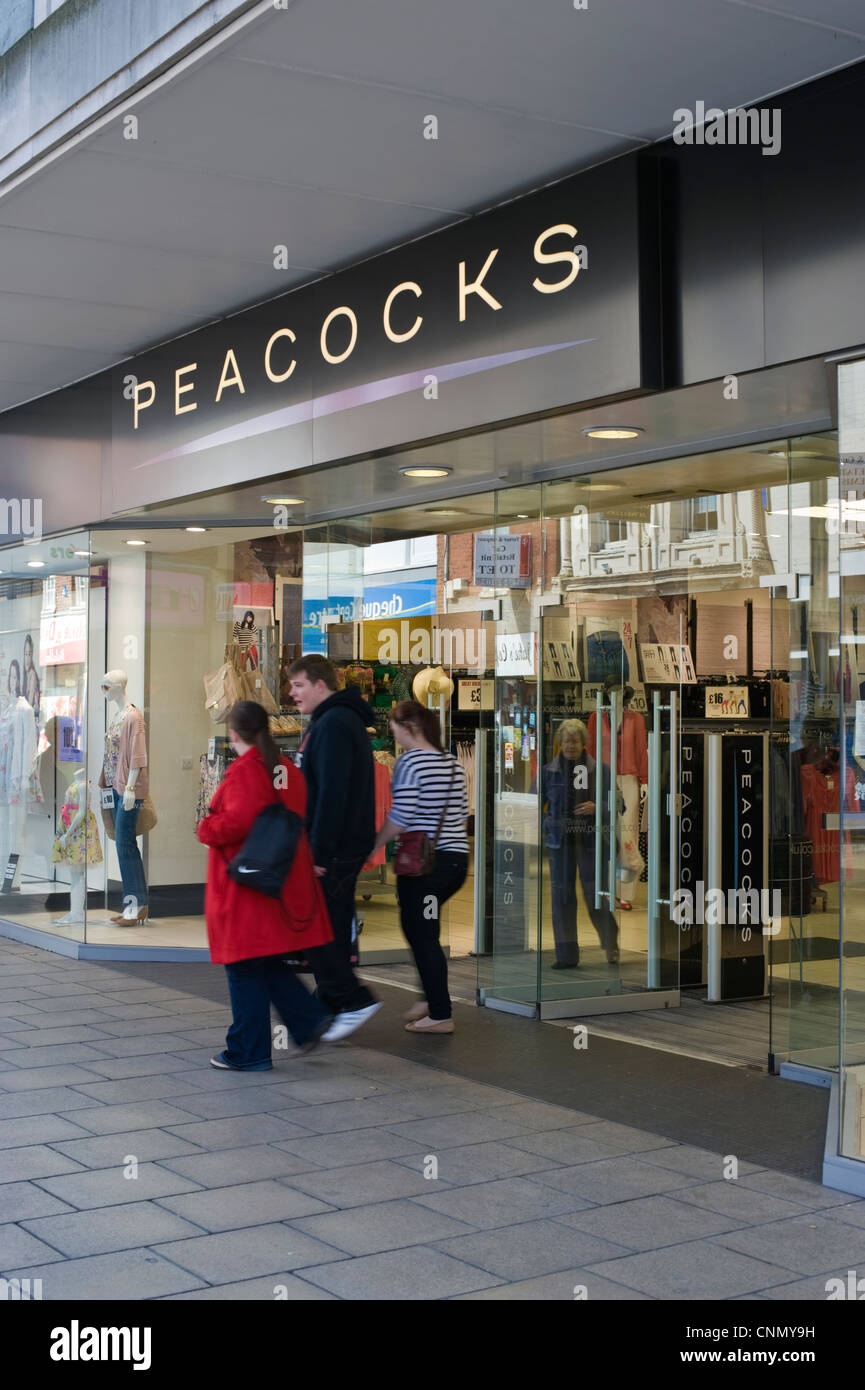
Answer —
76 845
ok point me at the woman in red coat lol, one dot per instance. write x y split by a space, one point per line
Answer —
250 933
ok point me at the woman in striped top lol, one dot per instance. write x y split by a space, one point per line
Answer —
429 794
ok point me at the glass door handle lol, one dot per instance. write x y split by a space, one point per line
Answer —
673 799
599 793
614 750
610 891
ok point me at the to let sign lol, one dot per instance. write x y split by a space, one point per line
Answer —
503 562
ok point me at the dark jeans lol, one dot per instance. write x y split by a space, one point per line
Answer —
576 856
420 904
253 985
338 987
128 854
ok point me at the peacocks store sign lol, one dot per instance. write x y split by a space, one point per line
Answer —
546 302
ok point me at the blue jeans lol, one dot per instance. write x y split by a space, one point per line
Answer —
253 985
128 853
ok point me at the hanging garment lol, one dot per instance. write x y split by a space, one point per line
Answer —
632 749
21 778
821 795
381 773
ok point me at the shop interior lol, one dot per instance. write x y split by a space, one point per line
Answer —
510 610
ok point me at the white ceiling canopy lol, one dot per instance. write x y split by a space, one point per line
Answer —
306 128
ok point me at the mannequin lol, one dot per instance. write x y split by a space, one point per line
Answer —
19 787
77 845
124 784
632 776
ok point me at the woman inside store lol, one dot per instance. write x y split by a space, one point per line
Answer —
571 789
249 933
429 804
244 634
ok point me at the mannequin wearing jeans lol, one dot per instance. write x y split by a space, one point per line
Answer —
124 773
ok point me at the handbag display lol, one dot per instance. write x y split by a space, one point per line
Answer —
256 689
147 818
416 854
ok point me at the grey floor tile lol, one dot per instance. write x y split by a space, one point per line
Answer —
135 1088
462 1095
740 1203
612 1180
104 1187
625 1139
530 1249
564 1287
211 1105
400 1275
806 1244
154 1064
325 1090
479 1163
246 1254
245 1204
851 1214
45 1022
18 1246
537 1115
807 1194
108 1150
37 1129
452 1131
368 1230
142 1047
120 1227
696 1270
818 1288
129 1275
339 1149
646 1223
697 1163
61 1004
33 1161
111 1119
37 1078
50 1056
238 1132
566 1146
59 1037
360 1183
502 1203
20 1200
273 1288
230 1166
351 1114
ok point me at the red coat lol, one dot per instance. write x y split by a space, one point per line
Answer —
241 923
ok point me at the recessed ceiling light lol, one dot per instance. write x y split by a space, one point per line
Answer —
613 431
136 542
36 564
195 528
601 487
522 516
284 501
82 552
426 471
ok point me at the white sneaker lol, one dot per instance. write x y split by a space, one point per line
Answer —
346 1023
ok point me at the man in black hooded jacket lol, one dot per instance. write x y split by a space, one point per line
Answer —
337 763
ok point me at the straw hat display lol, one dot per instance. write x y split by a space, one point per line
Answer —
432 683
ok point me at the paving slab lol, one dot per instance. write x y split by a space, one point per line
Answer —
111 1119
245 1204
455 1131
121 1227
229 1166
530 1249
696 1270
152 1064
744 1204
368 1230
807 1244
612 1180
360 1183
564 1287
37 1129
105 1151
238 1132
19 1200
351 1114
18 1246
807 1194
538 1115
817 1288
130 1275
274 1288
36 1078
697 1163
140 1047
418 1272
505 1202
239 1100
339 1149
104 1187
479 1163
567 1147
49 1055
647 1223
246 1254
31 1161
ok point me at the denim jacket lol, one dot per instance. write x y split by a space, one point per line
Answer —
558 778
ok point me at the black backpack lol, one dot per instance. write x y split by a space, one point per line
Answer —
268 853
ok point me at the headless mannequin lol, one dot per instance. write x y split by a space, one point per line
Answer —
135 911
16 790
